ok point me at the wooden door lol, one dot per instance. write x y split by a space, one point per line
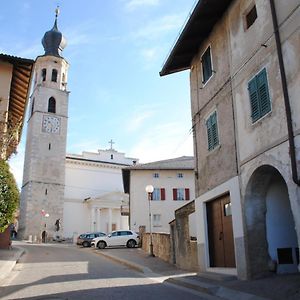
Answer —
220 233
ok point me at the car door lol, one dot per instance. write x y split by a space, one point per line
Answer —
114 239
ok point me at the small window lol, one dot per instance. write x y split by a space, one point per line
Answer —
111 156
155 175
158 194
52 105
54 75
206 65
259 96
156 220
179 175
44 74
212 131
227 210
251 16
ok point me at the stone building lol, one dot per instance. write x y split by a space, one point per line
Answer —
42 194
245 80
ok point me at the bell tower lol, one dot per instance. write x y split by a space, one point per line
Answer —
42 194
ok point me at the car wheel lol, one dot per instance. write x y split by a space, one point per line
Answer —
131 243
85 244
101 245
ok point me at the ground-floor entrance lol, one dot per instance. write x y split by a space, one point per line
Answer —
271 234
220 233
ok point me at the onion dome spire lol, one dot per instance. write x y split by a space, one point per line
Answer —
53 41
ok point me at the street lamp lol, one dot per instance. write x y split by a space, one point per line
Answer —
149 190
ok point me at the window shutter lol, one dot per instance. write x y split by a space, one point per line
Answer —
209 135
254 101
174 194
214 130
263 92
187 194
259 96
162 194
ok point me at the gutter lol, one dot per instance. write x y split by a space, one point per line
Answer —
285 96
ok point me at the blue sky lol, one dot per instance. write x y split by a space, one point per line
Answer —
116 49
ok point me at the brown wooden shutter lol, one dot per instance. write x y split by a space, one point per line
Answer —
174 194
187 194
162 194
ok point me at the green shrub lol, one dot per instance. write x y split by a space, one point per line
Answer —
9 195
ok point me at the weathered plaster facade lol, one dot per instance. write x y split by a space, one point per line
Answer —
252 162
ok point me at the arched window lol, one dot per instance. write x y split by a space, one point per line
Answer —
44 73
54 75
32 107
52 105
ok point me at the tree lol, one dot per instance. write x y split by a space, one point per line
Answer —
9 195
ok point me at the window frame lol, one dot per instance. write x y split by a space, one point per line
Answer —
52 105
246 13
260 109
206 80
213 138
54 75
156 221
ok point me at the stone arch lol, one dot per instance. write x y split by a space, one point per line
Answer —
269 223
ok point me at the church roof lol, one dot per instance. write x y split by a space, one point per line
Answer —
53 41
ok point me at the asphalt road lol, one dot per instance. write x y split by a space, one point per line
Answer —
55 271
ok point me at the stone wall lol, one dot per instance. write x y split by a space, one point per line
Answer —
5 241
161 245
162 249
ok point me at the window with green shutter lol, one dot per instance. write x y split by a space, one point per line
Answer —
259 96
206 65
212 131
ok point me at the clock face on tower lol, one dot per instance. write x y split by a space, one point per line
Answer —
51 124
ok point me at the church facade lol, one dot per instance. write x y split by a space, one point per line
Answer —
94 196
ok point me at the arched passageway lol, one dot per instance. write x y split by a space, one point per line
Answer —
272 243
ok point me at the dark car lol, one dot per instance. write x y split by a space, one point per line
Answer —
85 238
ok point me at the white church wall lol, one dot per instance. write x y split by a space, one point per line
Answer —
76 218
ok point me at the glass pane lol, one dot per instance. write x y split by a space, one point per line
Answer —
227 209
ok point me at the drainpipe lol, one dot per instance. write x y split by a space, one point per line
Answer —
285 96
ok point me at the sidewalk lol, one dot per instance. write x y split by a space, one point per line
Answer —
8 259
277 287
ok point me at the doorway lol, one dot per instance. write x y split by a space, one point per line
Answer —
220 233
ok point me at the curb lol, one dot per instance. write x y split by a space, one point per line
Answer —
127 263
202 287
214 290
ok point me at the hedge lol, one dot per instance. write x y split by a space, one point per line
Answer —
9 196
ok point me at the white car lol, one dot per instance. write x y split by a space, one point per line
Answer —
126 238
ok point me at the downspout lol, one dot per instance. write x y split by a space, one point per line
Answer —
285 96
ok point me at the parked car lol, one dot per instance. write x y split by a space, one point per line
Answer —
126 238
85 238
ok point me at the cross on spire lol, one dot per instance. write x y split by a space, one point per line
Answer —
111 142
